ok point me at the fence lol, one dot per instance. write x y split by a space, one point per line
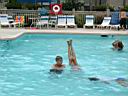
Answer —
80 15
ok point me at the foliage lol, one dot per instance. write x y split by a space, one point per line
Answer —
12 1
99 19
69 5
30 6
80 20
103 8
111 8
126 8
12 4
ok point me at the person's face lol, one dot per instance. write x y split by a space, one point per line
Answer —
115 45
59 61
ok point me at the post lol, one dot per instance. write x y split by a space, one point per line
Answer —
108 12
73 11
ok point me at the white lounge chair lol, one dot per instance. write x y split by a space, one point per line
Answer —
12 21
71 21
105 23
89 21
43 21
53 20
4 20
61 21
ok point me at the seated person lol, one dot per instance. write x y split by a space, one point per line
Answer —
72 56
118 45
58 67
122 81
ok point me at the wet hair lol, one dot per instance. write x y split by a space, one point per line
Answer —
58 58
115 42
120 45
122 9
120 79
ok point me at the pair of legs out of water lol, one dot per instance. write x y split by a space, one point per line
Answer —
71 54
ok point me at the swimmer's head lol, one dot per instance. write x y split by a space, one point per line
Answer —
122 9
59 60
118 45
120 79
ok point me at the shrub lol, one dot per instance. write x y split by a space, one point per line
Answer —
80 20
13 6
126 8
67 6
99 19
103 8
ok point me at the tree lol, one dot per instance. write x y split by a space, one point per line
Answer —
72 4
12 4
67 6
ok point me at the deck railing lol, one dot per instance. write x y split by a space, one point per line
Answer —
80 15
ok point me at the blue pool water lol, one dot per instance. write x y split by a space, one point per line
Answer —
25 63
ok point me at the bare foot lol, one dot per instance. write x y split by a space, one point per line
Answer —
68 42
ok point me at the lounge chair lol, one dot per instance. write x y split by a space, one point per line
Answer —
89 21
71 21
52 20
105 23
4 20
12 21
43 21
61 21
115 22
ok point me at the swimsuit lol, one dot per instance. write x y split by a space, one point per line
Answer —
93 79
56 71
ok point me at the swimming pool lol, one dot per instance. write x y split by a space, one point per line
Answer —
25 63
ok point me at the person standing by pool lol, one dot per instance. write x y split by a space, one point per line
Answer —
58 67
123 19
72 57
117 45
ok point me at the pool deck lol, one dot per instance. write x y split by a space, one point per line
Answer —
10 34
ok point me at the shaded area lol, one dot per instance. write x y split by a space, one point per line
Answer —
33 1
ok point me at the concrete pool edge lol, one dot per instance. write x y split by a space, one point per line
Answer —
11 34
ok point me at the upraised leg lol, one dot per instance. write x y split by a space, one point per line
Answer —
71 54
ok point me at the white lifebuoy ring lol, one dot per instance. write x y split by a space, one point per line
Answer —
56 8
